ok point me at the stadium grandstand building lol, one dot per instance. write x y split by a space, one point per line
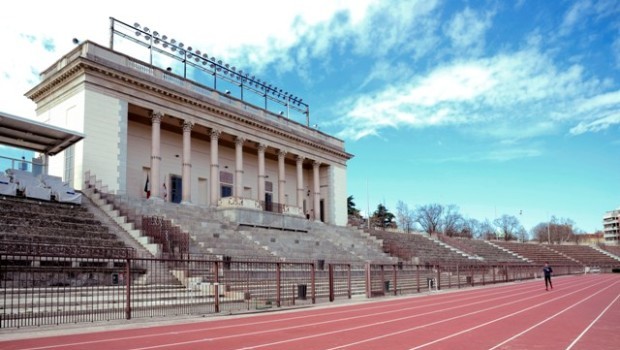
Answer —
611 227
152 133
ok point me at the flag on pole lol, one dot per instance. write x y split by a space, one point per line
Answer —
164 191
147 187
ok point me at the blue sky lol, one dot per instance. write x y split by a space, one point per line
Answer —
498 107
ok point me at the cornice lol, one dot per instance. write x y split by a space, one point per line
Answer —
145 82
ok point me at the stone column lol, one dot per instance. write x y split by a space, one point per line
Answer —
239 166
317 190
281 177
155 155
261 172
215 168
187 162
300 181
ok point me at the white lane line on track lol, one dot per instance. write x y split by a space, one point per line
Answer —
315 324
551 317
434 323
591 324
389 334
128 338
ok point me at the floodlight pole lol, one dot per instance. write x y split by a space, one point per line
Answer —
185 64
111 33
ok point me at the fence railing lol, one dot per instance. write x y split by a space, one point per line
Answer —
43 288
398 279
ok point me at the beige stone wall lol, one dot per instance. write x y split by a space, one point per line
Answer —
139 156
337 181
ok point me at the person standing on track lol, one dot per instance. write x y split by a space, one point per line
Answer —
547 271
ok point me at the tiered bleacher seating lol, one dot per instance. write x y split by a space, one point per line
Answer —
26 220
586 255
361 244
208 235
172 240
56 244
7 187
43 187
410 247
613 249
61 191
299 245
29 185
537 253
489 253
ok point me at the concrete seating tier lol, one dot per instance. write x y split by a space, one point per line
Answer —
208 234
613 249
47 231
537 253
300 245
586 255
38 222
49 239
357 242
37 206
483 249
412 246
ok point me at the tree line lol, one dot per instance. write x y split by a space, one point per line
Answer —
446 219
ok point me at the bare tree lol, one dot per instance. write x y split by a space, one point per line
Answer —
429 217
522 234
404 216
470 228
487 231
452 221
557 230
508 226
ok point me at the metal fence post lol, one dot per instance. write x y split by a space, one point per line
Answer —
417 273
216 287
349 289
128 289
313 281
278 283
395 280
330 271
368 287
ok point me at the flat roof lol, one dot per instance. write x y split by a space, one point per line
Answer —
35 136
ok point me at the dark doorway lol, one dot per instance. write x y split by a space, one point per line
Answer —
268 201
176 189
226 191
322 211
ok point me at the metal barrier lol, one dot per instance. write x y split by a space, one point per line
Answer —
44 289
398 279
43 285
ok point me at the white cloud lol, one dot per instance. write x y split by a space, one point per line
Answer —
507 89
497 153
257 34
615 50
574 15
467 31
603 122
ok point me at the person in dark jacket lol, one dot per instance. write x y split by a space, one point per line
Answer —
547 271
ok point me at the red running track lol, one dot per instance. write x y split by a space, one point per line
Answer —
582 312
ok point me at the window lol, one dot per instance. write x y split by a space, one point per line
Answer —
69 165
226 191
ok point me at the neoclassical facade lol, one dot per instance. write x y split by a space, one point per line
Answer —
148 129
